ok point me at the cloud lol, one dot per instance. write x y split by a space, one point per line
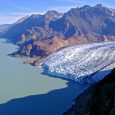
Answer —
21 8
21 11
26 13
74 1
13 17
8 19
63 9
81 1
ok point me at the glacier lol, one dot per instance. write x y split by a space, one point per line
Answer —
81 63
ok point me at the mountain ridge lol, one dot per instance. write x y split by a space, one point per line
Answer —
77 26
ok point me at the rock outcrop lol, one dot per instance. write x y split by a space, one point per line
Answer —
99 99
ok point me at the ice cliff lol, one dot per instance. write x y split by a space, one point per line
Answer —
81 61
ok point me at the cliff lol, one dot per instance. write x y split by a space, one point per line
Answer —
99 99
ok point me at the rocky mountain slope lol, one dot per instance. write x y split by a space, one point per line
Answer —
89 21
97 100
80 62
40 35
31 27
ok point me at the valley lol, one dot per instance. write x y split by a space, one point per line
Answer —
41 35
52 61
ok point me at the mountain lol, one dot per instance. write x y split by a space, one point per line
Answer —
41 35
31 27
86 20
97 100
4 27
81 63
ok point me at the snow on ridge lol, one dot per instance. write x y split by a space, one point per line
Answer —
78 62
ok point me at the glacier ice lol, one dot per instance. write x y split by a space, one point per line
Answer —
80 61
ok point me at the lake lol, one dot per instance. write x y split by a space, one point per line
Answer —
24 90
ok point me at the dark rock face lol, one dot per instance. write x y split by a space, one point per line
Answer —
79 25
97 100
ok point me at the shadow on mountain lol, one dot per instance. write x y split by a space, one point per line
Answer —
52 103
96 100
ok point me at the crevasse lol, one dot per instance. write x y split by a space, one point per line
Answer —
80 61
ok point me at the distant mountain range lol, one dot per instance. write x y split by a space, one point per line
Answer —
40 35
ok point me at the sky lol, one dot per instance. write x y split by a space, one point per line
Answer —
12 10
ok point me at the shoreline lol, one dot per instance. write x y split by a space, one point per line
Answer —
20 82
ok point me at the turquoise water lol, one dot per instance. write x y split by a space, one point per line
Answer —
18 81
